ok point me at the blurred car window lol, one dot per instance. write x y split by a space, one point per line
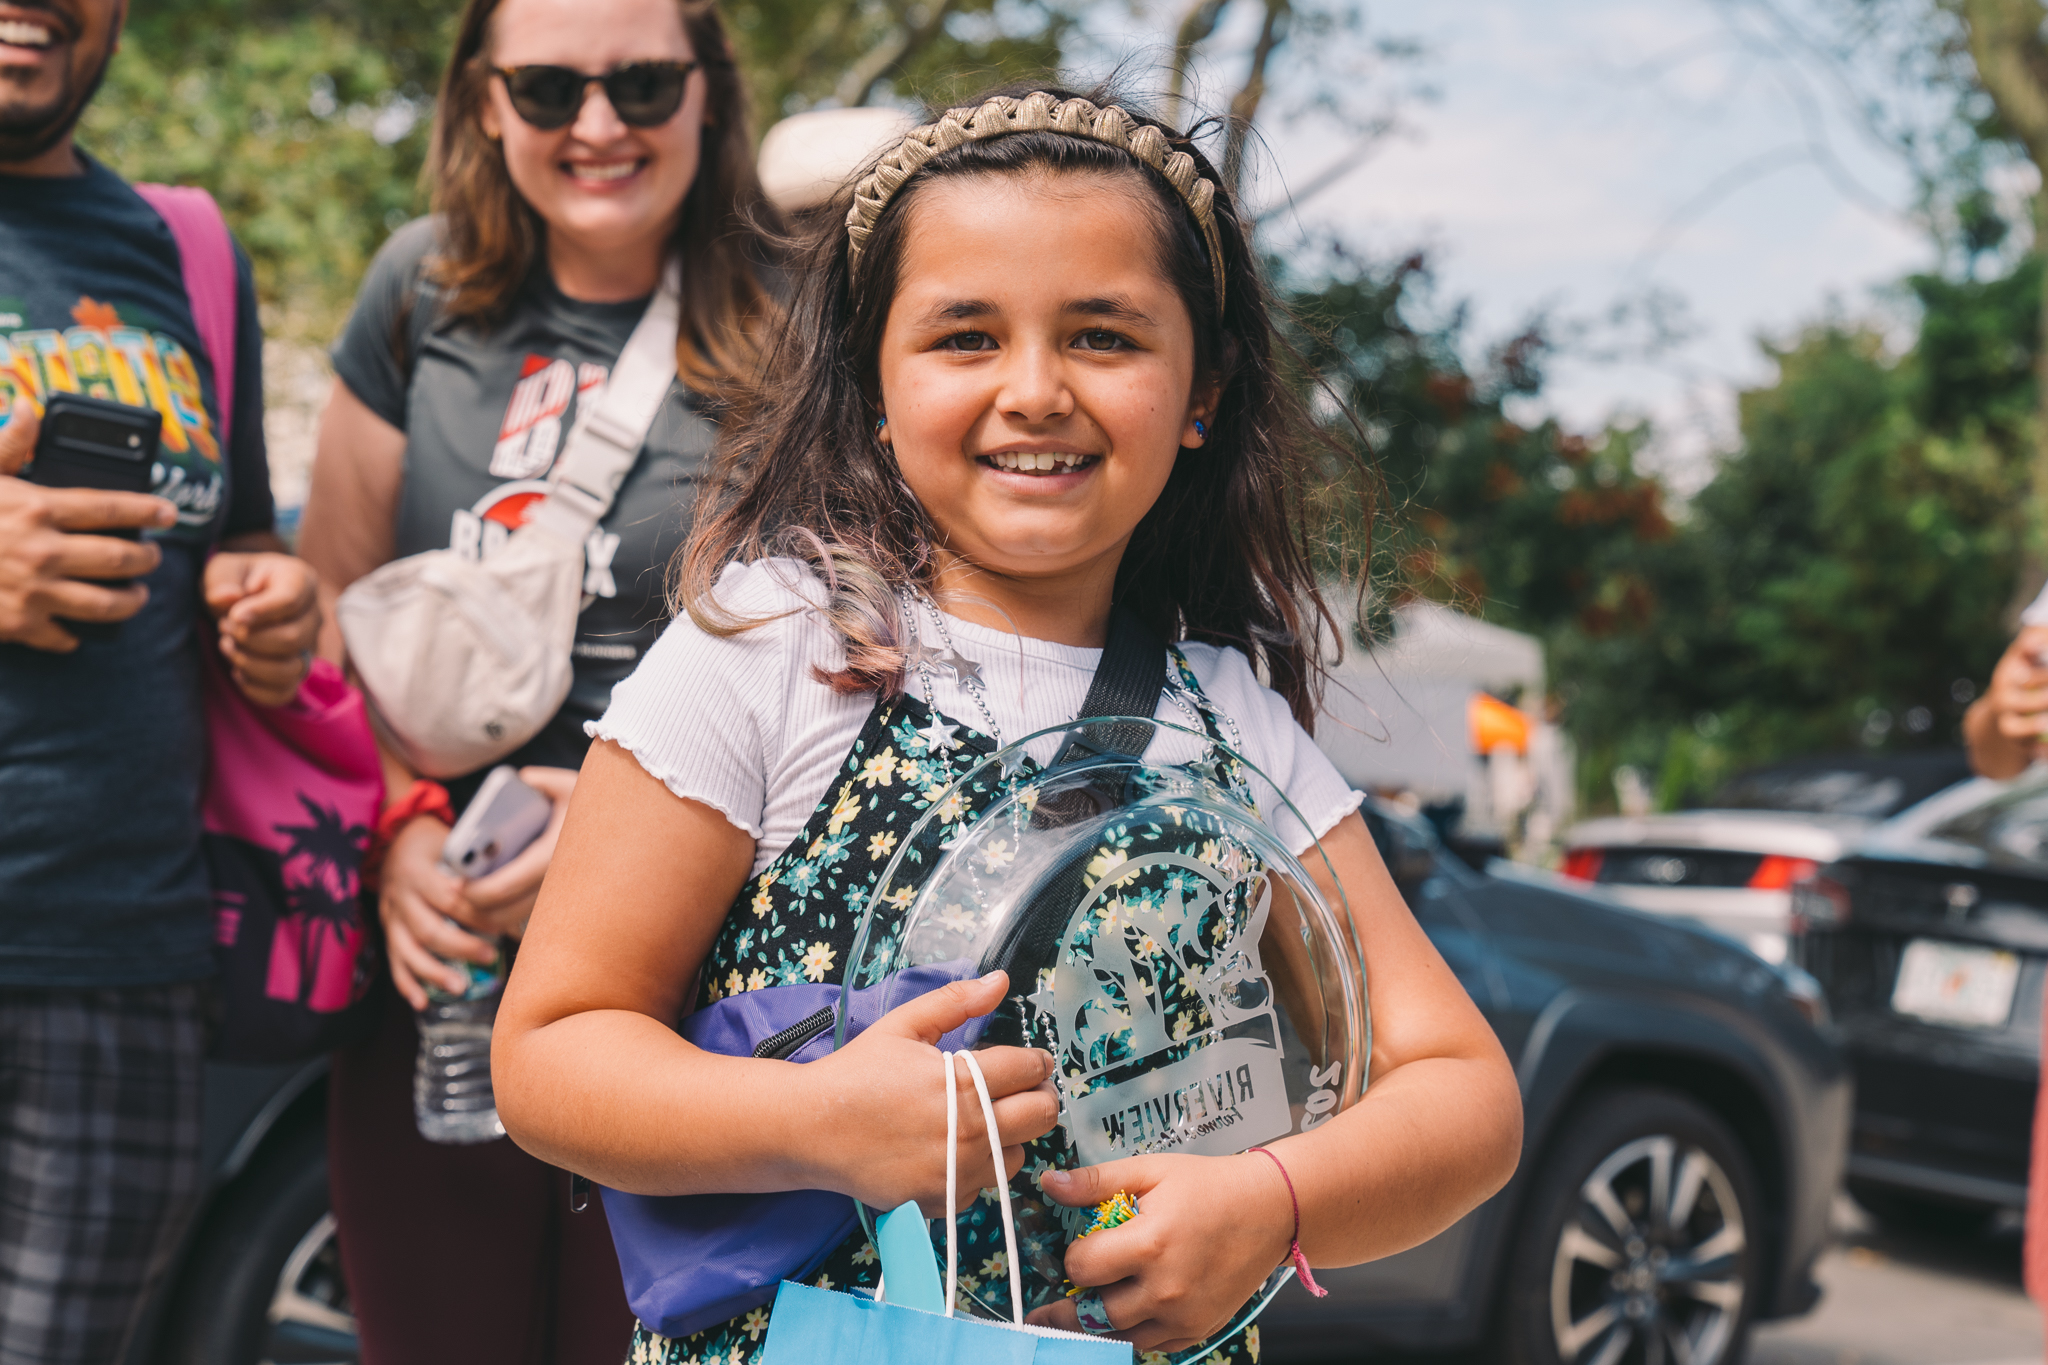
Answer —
1836 793
1871 786
2011 829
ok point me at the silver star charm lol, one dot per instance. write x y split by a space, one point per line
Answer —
939 736
964 668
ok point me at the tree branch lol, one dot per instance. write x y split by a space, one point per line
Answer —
1344 164
1244 105
909 37
2005 44
1195 27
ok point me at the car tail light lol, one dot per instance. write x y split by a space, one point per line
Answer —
1584 864
1819 903
1778 872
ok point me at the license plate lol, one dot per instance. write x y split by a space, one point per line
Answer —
1952 983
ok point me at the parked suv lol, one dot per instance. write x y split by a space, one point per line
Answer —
1931 941
1685 1124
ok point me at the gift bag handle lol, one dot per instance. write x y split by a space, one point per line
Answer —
995 1147
902 1250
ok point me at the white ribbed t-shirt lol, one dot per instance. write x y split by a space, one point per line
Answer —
742 724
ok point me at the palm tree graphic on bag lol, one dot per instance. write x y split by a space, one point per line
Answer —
313 957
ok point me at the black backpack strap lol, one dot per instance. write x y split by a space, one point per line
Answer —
1127 683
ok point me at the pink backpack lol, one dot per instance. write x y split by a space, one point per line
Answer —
292 792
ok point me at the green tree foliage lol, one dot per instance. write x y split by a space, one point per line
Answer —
308 122
1846 572
800 54
1841 580
1535 527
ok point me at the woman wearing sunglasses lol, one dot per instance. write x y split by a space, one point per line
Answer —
582 146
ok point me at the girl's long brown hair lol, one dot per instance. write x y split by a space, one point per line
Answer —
1223 556
492 239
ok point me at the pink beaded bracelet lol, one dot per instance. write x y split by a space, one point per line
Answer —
1294 1244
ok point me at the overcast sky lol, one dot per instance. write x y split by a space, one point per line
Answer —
1578 153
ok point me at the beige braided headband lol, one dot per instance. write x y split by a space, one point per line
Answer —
1036 112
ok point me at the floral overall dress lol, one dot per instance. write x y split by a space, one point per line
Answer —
795 922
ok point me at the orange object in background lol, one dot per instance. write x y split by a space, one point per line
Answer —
1777 872
1494 723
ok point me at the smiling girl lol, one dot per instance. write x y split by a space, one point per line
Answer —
580 147
1033 379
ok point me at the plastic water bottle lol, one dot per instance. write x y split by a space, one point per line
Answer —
452 1100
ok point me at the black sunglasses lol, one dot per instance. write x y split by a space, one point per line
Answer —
642 94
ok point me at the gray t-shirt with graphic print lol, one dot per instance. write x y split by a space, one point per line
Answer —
485 415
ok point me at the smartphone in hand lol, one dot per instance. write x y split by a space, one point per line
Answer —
93 443
506 816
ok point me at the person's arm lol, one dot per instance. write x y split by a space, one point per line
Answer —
2005 727
590 1074
265 601
347 532
348 527
1438 1130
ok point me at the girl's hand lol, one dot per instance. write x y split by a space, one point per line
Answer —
502 900
417 902
886 1092
1209 1231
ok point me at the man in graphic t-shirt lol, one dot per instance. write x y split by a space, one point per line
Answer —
105 923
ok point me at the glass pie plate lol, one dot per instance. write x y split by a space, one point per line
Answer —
1197 989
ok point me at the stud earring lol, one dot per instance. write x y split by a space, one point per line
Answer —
881 422
1201 429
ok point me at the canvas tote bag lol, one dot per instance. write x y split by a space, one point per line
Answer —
465 660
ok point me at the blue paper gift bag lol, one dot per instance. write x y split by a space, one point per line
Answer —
814 1326
811 1326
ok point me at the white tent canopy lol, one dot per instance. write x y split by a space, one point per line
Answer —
1395 716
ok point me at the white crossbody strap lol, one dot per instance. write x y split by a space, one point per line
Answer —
606 440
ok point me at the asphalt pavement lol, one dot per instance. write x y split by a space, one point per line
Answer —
1894 1298
1890 1298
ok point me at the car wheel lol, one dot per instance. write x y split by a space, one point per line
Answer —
263 1282
1637 1241
1904 1211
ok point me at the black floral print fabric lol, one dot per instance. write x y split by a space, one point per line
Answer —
796 921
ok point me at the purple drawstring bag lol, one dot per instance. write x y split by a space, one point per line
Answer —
691 1261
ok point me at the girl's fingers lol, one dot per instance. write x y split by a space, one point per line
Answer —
1134 1315
977 1175
933 1015
1027 1115
1129 1310
1008 1071
1093 1184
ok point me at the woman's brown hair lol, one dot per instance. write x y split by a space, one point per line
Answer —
1223 556
492 238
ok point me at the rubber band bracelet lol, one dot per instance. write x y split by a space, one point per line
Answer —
1308 1281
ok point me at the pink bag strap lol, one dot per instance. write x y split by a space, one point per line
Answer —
207 256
